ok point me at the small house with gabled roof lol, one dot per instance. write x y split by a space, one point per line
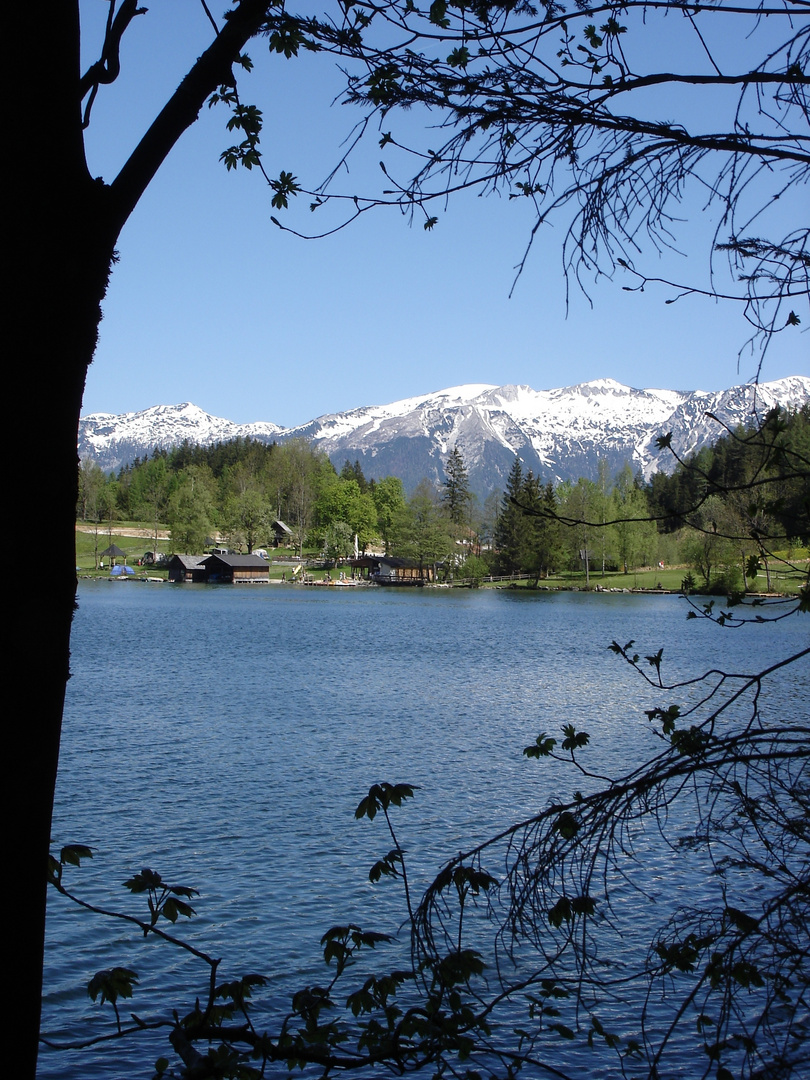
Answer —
235 569
187 568
388 570
282 533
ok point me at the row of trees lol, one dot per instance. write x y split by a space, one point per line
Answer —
711 513
530 536
706 514
237 489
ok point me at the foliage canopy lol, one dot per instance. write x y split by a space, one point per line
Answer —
615 120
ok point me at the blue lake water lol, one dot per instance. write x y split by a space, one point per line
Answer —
224 736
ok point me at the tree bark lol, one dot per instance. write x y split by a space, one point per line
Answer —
54 334
53 319
60 231
59 252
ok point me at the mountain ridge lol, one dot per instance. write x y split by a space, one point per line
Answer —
560 433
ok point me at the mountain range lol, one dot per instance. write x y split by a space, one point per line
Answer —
559 434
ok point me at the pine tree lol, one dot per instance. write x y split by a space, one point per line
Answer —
543 550
512 528
457 488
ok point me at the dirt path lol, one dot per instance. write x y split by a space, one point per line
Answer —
118 530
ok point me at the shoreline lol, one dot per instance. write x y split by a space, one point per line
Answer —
596 590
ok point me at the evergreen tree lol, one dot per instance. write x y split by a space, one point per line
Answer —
544 550
355 472
456 496
512 529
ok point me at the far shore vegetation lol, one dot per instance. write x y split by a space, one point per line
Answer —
616 532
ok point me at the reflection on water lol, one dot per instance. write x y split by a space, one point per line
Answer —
224 736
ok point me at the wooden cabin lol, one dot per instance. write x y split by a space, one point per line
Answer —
387 570
235 569
282 534
187 568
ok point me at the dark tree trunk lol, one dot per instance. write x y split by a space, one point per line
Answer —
58 247
54 336
61 227
53 324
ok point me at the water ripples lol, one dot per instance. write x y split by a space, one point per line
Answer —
224 736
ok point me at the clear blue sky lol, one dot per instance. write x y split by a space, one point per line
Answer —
211 303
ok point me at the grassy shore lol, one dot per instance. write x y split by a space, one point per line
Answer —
135 538
650 579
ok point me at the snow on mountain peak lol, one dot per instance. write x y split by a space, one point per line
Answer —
560 433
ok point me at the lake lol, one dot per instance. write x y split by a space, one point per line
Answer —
223 736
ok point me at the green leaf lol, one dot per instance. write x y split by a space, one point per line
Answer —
574 739
583 905
239 990
146 880
747 923
567 908
183 890
288 38
72 854
655 660
438 12
111 984
285 186
543 746
567 825
562 1030
682 955
386 867
667 717
460 966
459 57
591 36
381 796
173 909
382 85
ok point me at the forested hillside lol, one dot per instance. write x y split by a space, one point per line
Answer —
710 515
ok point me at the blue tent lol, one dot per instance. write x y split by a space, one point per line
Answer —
121 571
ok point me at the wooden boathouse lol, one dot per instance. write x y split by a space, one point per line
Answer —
236 569
219 569
387 570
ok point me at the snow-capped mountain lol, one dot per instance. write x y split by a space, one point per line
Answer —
114 441
560 434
